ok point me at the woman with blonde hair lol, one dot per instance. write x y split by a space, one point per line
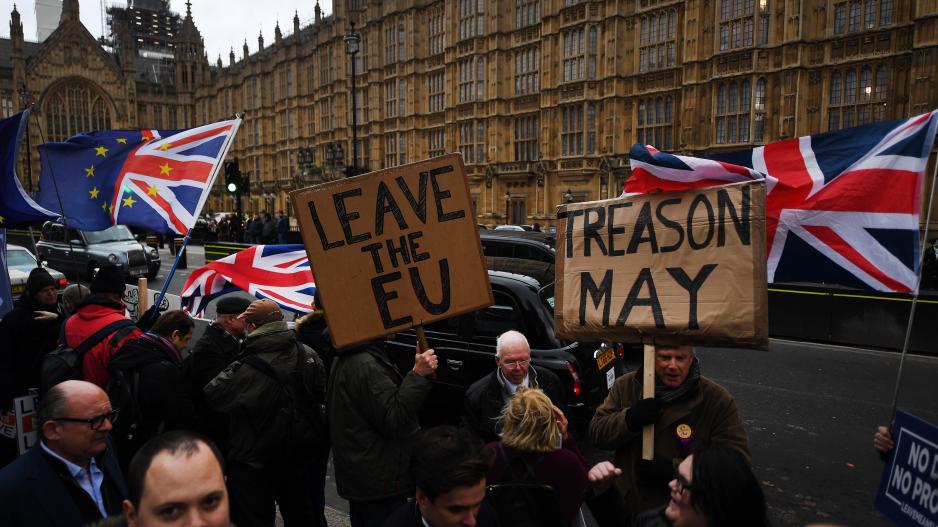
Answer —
537 447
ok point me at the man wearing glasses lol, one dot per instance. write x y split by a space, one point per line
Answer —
71 477
487 396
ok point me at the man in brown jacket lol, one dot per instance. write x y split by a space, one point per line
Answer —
689 412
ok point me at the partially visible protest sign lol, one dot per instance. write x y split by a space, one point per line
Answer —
669 268
25 409
908 490
132 300
393 249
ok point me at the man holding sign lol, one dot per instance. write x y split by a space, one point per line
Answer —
372 412
689 413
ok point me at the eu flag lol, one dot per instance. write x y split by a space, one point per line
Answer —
16 207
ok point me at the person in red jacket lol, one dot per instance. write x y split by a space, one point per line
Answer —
102 307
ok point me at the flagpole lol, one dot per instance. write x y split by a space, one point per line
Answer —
146 318
918 284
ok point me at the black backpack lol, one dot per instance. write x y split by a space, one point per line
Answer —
523 501
64 362
123 390
299 422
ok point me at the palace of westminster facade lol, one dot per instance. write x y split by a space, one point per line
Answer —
543 98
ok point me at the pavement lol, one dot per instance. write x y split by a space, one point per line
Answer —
810 410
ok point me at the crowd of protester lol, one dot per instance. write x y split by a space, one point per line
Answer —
243 426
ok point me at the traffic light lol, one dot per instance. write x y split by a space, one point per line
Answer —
232 179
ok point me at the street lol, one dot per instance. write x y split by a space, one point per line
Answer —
810 410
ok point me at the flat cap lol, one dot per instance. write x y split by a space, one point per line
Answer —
262 312
231 305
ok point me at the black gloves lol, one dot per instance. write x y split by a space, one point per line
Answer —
643 412
657 472
147 318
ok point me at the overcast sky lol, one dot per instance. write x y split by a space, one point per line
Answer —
223 23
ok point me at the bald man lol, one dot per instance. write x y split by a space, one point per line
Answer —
70 477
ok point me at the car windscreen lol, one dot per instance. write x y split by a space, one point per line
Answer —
116 233
16 258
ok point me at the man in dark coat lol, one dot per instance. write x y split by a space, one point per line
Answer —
262 468
269 229
372 420
689 412
448 468
930 266
71 477
283 227
257 230
28 333
486 398
215 350
154 364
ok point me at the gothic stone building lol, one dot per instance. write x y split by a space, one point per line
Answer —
543 98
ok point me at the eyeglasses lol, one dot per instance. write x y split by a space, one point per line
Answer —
682 483
94 423
516 363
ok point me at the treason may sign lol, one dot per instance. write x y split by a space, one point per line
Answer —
669 268
393 249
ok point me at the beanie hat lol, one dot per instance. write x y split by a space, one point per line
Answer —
262 312
38 280
108 280
231 305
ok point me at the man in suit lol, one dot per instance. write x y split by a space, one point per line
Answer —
70 477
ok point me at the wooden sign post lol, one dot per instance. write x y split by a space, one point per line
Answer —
648 391
394 249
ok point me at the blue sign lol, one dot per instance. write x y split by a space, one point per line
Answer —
908 491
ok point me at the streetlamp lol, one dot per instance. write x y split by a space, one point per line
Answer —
568 196
507 203
352 41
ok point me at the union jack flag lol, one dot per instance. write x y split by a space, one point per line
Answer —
278 272
841 207
157 180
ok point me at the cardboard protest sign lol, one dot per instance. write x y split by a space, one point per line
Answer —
393 249
669 268
908 490
131 300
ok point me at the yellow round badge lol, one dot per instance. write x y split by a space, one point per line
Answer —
684 431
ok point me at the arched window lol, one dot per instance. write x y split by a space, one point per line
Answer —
733 112
75 107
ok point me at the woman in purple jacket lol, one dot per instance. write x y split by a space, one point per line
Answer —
536 442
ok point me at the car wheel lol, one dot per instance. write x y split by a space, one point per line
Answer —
152 274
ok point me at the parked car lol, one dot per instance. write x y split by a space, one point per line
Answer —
19 264
83 251
518 244
465 346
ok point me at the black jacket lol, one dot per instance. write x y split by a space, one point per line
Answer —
163 395
37 490
408 515
249 396
485 401
372 412
213 352
25 341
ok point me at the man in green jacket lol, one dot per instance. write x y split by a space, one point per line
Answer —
265 465
689 412
372 412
